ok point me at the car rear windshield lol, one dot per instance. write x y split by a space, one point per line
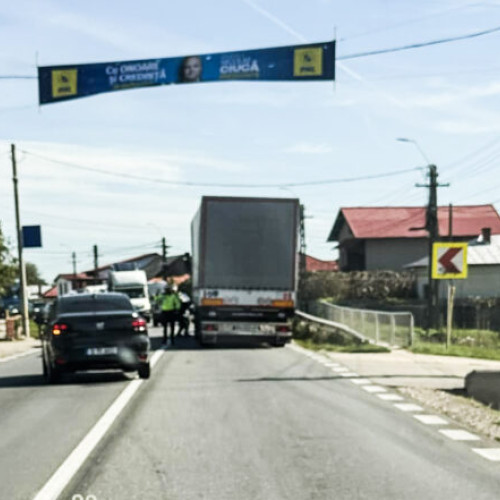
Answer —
94 303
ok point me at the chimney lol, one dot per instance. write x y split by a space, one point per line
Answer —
486 235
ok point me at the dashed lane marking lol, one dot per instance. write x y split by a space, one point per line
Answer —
361 381
390 397
431 419
459 435
408 407
492 454
373 388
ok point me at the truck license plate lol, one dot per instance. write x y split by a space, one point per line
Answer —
101 351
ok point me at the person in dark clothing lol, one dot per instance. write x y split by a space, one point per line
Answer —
184 312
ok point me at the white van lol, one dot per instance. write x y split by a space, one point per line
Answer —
135 285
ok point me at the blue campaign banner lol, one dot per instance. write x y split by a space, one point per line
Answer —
314 61
32 236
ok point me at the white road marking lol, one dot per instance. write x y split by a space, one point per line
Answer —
19 355
390 397
155 357
348 374
373 388
331 365
492 454
459 435
431 419
361 381
408 407
63 475
340 369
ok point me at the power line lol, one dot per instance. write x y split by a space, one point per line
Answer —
219 185
473 154
419 45
405 22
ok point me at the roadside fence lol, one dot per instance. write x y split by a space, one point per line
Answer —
381 327
8 330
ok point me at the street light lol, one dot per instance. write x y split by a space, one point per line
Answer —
404 139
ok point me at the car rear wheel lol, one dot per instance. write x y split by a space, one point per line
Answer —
51 374
144 371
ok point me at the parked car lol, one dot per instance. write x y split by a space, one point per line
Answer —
94 332
36 311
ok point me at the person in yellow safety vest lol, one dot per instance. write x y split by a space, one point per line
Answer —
170 307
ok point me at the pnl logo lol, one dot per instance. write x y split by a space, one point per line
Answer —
64 82
308 62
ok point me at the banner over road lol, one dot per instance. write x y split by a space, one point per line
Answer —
294 62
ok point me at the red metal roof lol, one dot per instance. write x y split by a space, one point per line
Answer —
74 277
398 222
313 264
50 294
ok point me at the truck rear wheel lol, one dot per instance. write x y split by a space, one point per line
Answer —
144 371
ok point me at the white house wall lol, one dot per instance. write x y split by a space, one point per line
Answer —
393 253
483 281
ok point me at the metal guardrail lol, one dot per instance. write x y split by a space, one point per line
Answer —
380 327
332 324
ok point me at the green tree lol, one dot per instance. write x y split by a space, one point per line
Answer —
8 266
32 275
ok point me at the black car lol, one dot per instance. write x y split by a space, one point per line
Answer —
94 332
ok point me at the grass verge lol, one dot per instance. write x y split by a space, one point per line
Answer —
456 350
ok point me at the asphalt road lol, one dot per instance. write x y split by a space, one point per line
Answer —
229 423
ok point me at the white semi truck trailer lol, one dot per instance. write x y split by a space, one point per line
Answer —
244 268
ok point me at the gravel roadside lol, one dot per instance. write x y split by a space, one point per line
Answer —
463 410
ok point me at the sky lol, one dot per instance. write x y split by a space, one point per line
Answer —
444 97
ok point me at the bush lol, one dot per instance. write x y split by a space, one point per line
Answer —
357 285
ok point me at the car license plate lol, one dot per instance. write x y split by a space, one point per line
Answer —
101 351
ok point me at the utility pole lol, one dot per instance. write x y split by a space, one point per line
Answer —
164 247
432 226
73 260
22 269
96 257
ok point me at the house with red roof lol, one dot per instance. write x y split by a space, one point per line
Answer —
313 265
377 238
152 264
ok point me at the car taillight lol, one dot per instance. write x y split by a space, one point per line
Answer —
210 327
139 325
59 328
282 328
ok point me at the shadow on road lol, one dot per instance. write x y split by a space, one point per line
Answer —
338 377
191 343
79 378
